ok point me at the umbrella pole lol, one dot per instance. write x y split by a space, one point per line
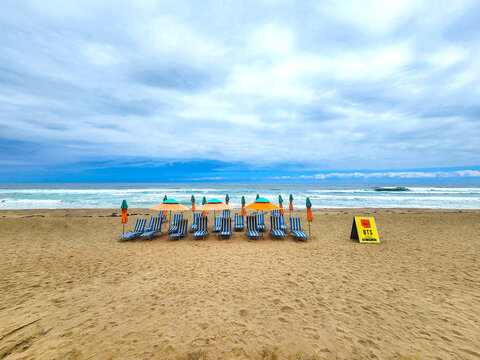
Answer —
309 229
124 228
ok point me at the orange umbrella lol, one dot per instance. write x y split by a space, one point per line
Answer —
291 203
309 214
124 208
244 212
170 205
280 204
193 203
214 204
262 204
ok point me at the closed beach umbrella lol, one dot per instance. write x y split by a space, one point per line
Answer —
124 208
192 199
164 211
262 204
227 199
204 201
290 207
309 214
280 204
258 196
244 212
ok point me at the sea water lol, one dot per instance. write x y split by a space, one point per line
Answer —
69 196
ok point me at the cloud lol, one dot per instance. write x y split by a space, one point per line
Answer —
389 175
354 86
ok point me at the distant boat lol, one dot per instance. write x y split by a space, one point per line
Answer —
396 188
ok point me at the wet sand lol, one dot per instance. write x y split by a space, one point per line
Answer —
70 290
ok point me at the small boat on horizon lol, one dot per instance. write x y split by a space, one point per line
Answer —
396 188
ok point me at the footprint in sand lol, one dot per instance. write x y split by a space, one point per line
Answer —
243 312
287 309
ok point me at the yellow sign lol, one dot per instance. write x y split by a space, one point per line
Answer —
364 230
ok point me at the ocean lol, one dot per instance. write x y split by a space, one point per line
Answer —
70 196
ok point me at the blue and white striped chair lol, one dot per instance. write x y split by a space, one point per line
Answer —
282 223
275 227
261 222
252 231
182 230
239 225
154 229
194 226
202 228
226 230
226 213
139 227
150 224
176 219
296 229
275 212
218 224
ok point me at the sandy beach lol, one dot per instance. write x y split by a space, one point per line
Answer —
70 290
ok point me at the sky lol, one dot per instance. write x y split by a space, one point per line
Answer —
234 90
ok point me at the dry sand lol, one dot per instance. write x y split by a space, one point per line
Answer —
70 290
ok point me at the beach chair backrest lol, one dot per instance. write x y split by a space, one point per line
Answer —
274 222
196 216
202 223
275 212
226 224
182 226
151 222
295 224
140 225
260 219
282 219
226 213
218 220
158 224
238 220
251 223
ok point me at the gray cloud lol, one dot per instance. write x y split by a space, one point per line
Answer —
357 85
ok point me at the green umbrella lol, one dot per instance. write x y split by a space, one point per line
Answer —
280 200
124 208
243 199
164 198
257 196
308 202
227 199
124 205
204 201
291 197
192 198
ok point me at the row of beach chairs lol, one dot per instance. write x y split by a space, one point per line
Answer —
223 225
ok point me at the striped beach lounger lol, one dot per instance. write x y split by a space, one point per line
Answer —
182 230
150 224
218 224
252 231
282 223
139 227
202 228
226 230
261 222
155 229
226 213
296 229
194 226
275 212
239 225
176 219
275 227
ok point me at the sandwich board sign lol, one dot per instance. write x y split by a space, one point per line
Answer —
364 230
